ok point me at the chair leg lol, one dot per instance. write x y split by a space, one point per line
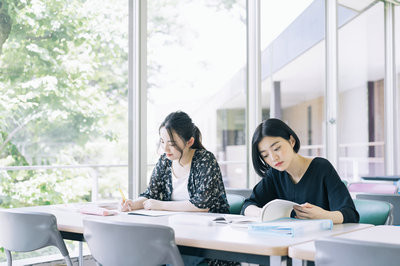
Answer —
68 260
9 258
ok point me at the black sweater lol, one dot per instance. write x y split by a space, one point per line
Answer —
320 186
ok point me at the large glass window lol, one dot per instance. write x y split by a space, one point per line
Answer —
63 101
397 53
293 68
196 64
361 94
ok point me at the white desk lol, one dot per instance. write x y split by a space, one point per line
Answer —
218 241
382 233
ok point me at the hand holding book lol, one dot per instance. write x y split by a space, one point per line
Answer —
271 211
309 211
277 209
275 219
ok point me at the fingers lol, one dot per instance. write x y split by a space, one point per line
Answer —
303 212
300 215
307 205
300 209
126 205
309 211
297 208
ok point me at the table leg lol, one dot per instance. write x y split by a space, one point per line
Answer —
80 259
299 262
277 261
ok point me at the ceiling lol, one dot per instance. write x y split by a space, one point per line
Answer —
360 59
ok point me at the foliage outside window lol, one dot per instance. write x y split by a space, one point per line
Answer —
63 100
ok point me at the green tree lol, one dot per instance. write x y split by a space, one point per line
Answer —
63 79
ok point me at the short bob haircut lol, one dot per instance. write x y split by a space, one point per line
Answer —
270 128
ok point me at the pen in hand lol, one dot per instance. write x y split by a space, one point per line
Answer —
122 194
124 199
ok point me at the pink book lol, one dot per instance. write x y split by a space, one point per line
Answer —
372 188
95 210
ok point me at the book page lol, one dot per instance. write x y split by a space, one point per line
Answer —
277 209
236 219
203 219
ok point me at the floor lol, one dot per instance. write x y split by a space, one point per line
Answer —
87 261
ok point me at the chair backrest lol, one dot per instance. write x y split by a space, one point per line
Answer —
23 231
121 243
235 203
381 188
335 251
393 199
245 192
374 211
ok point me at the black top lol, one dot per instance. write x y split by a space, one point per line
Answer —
205 186
320 186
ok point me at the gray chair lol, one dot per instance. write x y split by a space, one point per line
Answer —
24 231
245 192
374 211
333 251
235 203
120 243
394 199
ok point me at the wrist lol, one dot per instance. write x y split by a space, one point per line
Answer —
162 205
336 217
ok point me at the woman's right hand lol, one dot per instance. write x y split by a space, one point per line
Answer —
127 206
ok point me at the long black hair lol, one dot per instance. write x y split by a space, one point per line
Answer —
270 128
182 125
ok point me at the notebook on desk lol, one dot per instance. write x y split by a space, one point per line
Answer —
152 213
202 219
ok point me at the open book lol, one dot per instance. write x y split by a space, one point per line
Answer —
276 209
271 211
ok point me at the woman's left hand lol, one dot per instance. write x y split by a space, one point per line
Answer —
310 211
152 204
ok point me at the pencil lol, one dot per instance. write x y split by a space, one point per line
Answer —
122 194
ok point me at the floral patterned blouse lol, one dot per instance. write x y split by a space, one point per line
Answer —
205 186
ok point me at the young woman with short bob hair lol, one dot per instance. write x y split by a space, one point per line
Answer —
311 182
